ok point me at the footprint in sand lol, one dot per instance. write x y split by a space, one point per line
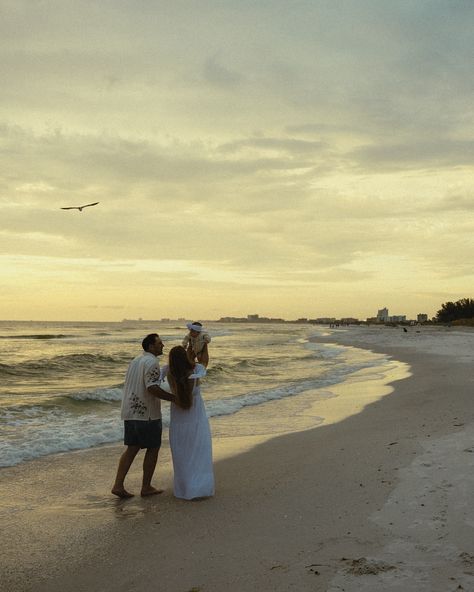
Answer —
364 566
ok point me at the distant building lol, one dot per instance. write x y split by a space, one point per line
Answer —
383 317
322 321
252 317
422 317
350 321
232 320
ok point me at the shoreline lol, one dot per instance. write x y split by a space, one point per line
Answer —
287 509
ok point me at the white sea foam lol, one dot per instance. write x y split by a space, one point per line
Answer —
107 394
61 433
220 333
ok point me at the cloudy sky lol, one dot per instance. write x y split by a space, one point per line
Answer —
304 158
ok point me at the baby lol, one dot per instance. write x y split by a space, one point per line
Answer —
195 343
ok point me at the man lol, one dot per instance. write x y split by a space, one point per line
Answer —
141 412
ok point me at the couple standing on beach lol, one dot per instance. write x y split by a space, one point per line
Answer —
189 431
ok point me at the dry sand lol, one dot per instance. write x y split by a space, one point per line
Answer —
378 497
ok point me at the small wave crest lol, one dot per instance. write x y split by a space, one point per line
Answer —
220 333
7 370
37 336
81 360
60 403
68 362
272 361
101 395
220 369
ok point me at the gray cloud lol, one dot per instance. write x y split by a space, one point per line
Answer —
288 145
218 75
434 154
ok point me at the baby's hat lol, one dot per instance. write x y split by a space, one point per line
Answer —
195 326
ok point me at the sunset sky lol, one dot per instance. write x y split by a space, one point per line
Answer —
308 158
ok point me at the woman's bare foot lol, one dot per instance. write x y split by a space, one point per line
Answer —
150 491
122 493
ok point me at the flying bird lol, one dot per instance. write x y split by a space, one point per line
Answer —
80 208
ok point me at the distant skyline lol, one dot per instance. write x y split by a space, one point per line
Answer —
303 159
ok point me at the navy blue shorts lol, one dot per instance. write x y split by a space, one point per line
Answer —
143 433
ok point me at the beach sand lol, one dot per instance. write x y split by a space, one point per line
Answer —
377 497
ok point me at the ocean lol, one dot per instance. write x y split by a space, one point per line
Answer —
61 383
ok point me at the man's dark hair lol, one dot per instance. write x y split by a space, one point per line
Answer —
149 340
197 323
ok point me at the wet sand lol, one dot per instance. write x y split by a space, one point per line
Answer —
375 498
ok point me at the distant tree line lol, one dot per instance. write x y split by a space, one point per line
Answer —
453 311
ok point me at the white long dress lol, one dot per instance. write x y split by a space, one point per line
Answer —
191 445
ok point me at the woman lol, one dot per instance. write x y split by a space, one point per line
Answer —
190 435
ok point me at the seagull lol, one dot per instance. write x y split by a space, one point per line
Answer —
80 208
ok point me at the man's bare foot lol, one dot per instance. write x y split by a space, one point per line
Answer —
122 493
150 491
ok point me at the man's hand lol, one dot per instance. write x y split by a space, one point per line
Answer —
157 391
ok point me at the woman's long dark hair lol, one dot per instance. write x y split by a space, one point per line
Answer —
180 368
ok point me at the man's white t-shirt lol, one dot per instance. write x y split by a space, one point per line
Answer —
137 403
